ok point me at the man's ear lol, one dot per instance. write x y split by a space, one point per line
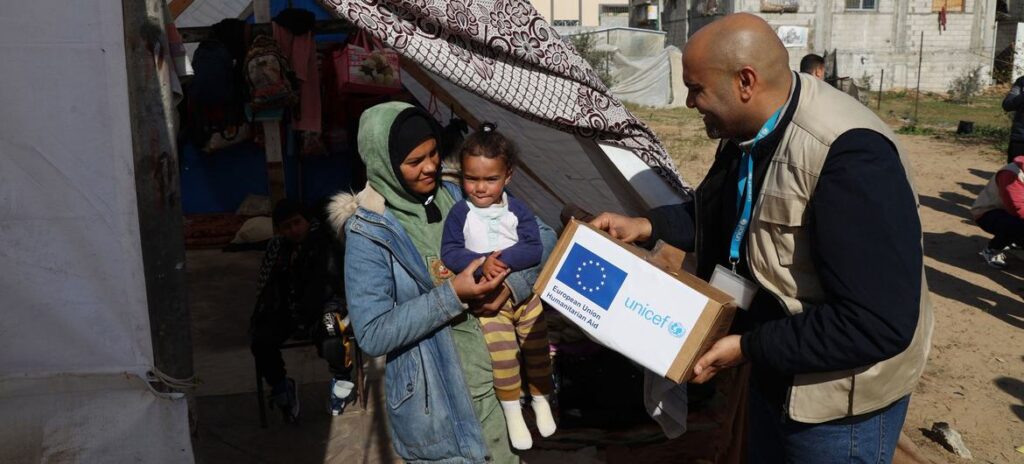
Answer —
747 78
508 176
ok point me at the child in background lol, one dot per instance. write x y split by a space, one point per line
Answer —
491 224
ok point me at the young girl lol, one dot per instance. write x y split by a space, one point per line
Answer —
493 225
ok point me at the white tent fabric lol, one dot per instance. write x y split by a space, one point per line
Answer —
632 42
651 187
649 80
74 336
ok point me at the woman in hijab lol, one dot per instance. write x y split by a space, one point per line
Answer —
404 304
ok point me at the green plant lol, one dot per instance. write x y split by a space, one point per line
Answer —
913 129
864 82
991 132
586 46
966 86
1002 67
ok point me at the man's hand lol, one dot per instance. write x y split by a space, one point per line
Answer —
724 354
468 289
627 229
493 267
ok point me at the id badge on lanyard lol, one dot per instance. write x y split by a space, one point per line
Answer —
727 280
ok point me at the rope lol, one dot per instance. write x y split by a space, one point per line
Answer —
178 387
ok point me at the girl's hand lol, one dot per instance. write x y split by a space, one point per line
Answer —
493 267
468 289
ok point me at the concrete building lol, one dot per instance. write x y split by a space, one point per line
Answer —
592 13
869 36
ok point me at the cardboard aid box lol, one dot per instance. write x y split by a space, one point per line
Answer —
660 320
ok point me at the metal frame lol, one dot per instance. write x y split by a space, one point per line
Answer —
157 186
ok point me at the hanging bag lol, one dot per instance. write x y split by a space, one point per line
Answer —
268 74
366 66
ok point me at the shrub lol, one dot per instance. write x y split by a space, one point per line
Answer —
912 129
585 45
864 82
966 86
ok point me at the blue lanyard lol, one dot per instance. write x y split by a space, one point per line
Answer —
745 189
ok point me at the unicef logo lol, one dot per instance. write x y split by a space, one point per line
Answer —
677 330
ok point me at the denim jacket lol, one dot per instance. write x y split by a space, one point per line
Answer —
397 311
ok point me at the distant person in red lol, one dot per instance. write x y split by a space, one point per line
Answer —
999 210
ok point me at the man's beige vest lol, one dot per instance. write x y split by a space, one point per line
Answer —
779 255
989 198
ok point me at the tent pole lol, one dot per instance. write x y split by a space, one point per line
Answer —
579 11
157 186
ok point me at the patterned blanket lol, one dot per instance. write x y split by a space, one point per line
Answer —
507 53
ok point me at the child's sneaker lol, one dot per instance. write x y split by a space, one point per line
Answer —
340 395
994 258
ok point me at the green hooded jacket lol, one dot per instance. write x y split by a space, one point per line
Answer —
374 134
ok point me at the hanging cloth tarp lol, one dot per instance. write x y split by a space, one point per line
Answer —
507 53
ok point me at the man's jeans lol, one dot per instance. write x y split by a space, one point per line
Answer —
868 438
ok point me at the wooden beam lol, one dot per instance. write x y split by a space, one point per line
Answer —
272 150
435 89
177 7
261 11
157 186
331 26
275 161
246 13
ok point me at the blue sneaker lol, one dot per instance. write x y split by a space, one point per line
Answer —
340 395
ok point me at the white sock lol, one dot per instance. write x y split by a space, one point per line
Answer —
545 421
342 388
518 434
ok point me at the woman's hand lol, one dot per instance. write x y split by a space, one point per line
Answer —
491 303
468 289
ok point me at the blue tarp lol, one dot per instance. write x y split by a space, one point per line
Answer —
276 6
219 182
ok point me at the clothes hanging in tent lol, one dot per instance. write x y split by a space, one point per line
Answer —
301 53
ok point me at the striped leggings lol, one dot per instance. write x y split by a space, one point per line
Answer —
516 330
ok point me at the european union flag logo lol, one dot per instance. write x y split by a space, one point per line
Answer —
591 276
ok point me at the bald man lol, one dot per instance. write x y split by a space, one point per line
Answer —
808 216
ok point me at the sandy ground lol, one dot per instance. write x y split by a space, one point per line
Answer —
975 376
974 380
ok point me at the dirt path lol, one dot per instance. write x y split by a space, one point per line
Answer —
975 375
